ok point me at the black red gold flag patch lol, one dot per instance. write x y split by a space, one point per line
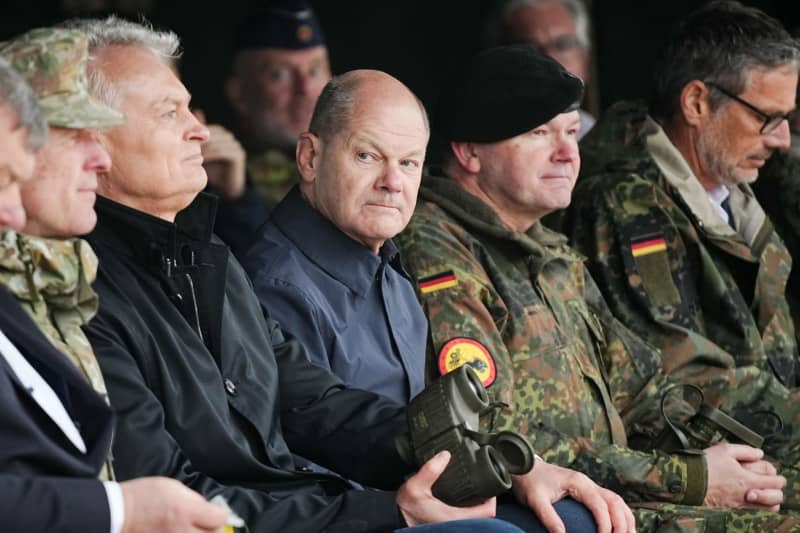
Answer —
465 351
442 280
648 245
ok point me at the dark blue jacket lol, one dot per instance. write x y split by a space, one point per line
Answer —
356 312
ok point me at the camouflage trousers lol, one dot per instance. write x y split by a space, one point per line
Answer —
671 518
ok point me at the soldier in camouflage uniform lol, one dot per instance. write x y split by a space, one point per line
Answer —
48 270
280 66
510 298
681 249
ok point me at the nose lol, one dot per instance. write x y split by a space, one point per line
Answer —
566 149
12 214
99 160
303 83
197 131
392 179
780 138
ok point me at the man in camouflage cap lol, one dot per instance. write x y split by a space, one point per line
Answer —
681 249
55 430
508 297
46 268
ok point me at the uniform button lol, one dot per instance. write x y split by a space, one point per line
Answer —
230 386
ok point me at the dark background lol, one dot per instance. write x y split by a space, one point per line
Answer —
416 41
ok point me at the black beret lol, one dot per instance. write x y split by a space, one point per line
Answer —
503 92
289 24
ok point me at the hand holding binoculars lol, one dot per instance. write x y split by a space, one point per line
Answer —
445 416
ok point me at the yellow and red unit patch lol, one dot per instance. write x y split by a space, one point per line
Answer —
648 245
465 351
442 280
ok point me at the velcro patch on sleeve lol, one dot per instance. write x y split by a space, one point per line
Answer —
465 351
437 282
651 258
648 245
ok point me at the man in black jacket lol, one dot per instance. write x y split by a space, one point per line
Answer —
55 431
214 392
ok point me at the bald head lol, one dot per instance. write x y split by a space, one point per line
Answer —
361 163
354 93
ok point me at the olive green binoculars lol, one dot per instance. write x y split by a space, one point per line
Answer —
445 416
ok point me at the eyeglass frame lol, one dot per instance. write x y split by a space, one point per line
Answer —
766 117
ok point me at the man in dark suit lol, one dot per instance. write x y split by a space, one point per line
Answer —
55 431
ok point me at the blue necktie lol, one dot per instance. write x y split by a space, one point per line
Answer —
726 206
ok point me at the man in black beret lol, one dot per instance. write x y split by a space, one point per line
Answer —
508 297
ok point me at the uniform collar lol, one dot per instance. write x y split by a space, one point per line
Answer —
64 271
679 176
326 246
473 212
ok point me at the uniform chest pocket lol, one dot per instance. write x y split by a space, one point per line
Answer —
539 331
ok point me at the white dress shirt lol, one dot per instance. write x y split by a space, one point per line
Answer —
717 196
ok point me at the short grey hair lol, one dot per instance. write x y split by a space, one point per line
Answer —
335 104
721 43
114 31
17 95
576 8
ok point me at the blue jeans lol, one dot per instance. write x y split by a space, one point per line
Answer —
464 526
576 518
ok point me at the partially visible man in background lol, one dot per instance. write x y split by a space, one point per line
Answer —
280 66
279 70
560 28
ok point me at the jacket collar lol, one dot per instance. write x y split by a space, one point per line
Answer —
326 246
141 235
56 271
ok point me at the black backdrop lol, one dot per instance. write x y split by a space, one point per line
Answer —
416 41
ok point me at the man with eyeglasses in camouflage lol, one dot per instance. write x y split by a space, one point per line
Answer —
681 248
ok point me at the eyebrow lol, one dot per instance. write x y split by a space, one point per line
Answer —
172 99
358 139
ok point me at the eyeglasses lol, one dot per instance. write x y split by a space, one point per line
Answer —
771 122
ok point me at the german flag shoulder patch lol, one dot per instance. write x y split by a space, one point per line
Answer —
437 282
648 244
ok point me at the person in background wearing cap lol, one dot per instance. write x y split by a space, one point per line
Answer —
507 296
55 430
280 66
680 247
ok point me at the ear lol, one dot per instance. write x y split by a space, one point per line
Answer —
694 103
307 153
466 156
233 90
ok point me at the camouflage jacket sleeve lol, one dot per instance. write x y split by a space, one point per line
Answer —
468 306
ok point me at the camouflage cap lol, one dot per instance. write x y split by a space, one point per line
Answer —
53 61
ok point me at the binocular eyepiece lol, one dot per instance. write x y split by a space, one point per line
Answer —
445 416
